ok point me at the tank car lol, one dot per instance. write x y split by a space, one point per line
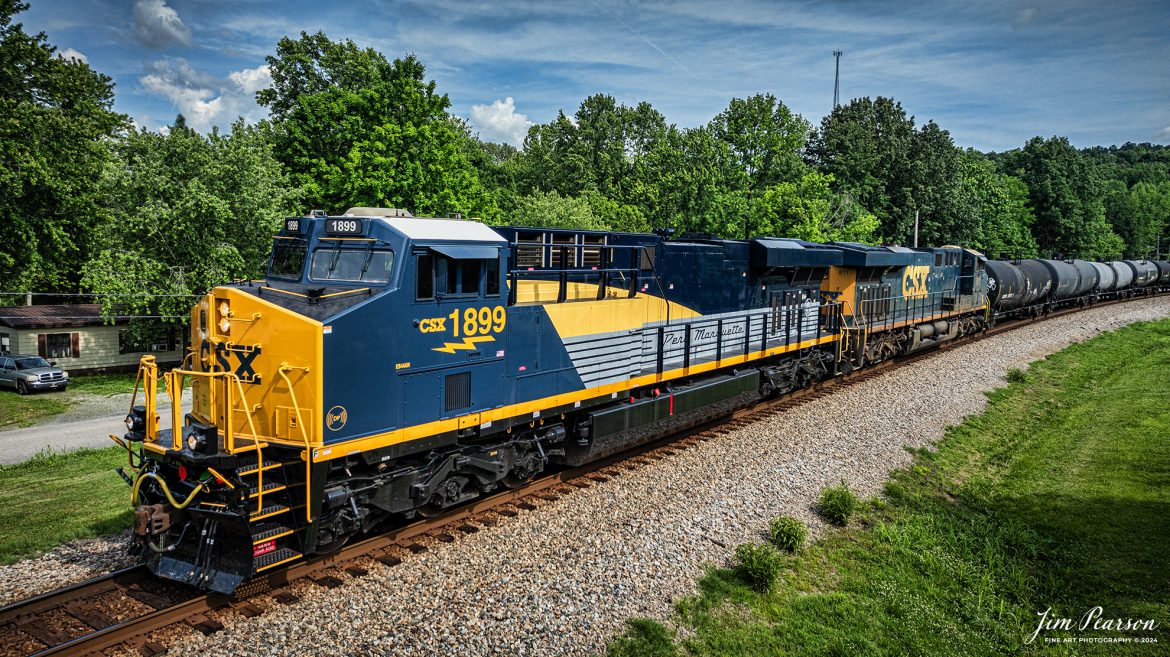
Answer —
1107 277
1145 272
1006 286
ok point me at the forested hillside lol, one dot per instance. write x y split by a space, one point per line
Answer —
92 203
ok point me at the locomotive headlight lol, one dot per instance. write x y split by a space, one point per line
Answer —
136 424
224 309
224 325
202 439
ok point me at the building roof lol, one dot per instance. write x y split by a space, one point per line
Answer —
34 317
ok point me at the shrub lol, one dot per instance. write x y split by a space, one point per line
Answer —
758 565
787 533
838 503
1016 375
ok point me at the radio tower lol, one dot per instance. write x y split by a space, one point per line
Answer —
837 81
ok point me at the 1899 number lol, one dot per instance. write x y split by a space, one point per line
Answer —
479 321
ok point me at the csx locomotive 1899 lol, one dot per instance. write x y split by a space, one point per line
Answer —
390 366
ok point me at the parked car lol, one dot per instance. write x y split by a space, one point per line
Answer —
31 373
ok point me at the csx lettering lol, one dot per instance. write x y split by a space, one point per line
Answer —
433 325
914 281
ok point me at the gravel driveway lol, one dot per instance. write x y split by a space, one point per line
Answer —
562 579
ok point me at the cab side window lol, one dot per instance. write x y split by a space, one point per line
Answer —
492 277
425 278
460 277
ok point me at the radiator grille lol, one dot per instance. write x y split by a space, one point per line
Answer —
457 391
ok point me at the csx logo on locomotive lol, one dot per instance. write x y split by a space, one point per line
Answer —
474 325
245 355
914 281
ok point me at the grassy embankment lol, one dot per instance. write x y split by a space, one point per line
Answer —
53 498
27 410
1058 496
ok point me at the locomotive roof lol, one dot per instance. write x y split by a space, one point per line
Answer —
449 230
771 252
865 255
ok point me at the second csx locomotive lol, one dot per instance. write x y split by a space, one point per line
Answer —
390 366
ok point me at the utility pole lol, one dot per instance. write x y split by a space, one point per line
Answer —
916 229
837 80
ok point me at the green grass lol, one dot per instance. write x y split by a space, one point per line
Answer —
1058 496
105 384
53 498
28 410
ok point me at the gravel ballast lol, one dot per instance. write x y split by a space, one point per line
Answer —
562 579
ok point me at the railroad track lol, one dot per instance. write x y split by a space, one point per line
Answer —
130 609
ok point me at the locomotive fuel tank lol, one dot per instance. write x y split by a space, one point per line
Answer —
1089 277
1005 285
1144 272
1037 281
1124 274
1107 277
1065 279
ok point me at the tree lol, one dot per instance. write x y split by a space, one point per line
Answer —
185 213
356 129
551 210
1066 196
765 139
55 119
875 153
809 210
866 146
1000 202
1140 217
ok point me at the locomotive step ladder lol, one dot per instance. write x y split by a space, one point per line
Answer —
271 498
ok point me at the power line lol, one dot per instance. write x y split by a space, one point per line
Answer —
113 317
97 294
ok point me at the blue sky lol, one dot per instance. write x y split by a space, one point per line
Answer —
992 73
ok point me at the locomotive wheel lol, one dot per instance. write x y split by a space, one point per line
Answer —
448 494
522 471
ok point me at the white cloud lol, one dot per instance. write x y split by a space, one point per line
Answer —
1024 16
204 99
500 121
158 26
251 80
70 53
1163 134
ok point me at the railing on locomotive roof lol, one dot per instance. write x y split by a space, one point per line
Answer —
603 271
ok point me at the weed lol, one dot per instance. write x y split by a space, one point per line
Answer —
787 533
758 564
838 503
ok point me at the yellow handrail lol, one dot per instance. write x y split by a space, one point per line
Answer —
285 367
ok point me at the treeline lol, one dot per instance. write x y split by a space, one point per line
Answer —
91 203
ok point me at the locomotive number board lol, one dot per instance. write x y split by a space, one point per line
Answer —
344 226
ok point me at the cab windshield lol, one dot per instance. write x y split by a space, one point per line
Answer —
288 258
366 265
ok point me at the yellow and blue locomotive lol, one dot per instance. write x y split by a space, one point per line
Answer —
390 366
